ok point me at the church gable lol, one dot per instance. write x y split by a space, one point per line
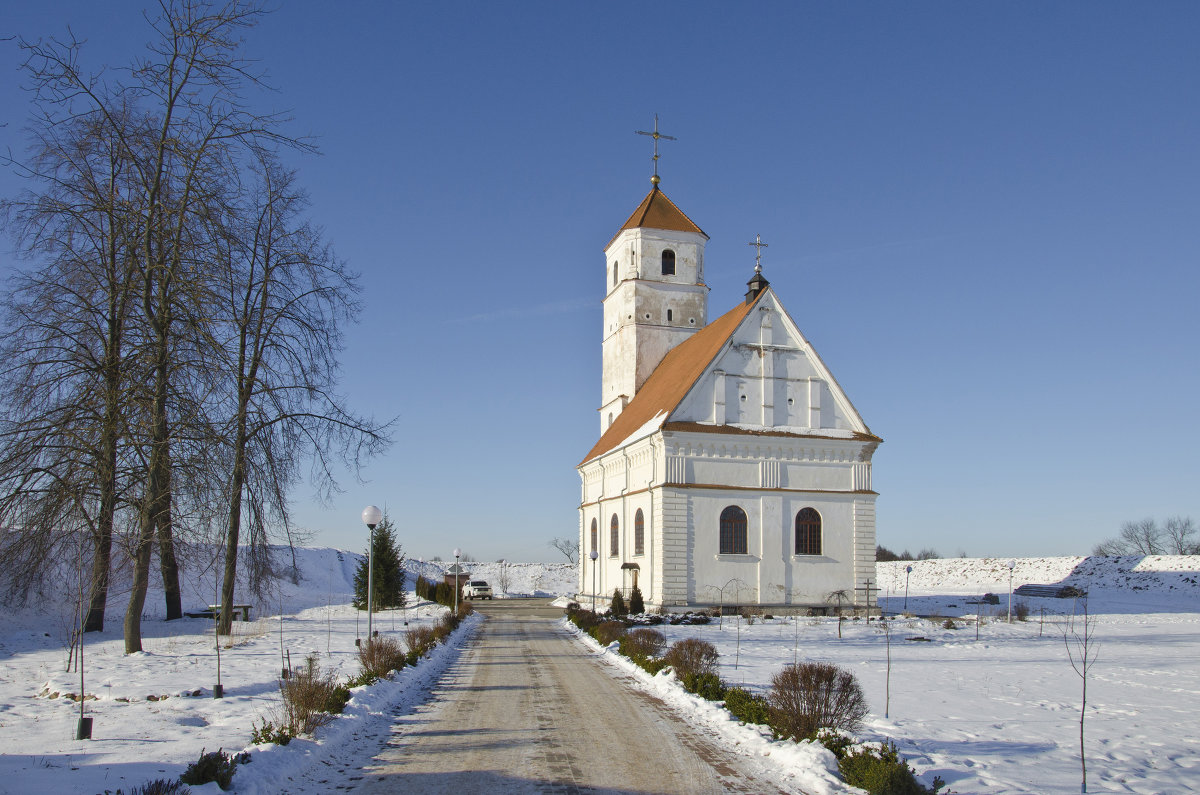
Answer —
767 377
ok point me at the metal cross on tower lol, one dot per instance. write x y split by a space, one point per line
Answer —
655 135
759 246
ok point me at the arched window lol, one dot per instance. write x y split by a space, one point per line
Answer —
808 532
614 274
639 533
595 535
614 536
668 262
733 531
670 315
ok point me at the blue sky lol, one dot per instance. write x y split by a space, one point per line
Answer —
984 216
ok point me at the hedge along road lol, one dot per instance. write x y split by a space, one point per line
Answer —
528 709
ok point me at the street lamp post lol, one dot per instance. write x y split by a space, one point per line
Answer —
371 516
593 555
907 571
1010 565
457 552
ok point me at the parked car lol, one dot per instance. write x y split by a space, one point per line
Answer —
477 589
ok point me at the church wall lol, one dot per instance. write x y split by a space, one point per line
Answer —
772 573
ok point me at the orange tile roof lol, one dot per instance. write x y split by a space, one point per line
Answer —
658 212
673 378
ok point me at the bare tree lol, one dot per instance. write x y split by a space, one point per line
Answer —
1146 537
213 401
286 294
65 344
1082 651
568 546
1180 532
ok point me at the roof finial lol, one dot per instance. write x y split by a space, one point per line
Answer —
759 246
655 135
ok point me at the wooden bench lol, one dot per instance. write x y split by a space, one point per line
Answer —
240 612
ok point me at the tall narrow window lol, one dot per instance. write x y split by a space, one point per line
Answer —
670 315
595 535
808 532
614 274
639 533
614 536
668 262
733 531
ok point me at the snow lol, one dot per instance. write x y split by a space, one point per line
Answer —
994 715
1000 714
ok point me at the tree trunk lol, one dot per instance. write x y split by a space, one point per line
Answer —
167 561
141 580
1082 757
236 482
101 561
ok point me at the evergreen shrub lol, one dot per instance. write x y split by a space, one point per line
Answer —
880 770
705 685
217 766
269 733
637 605
618 604
747 707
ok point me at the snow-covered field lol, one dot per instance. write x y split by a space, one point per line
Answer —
1000 714
993 715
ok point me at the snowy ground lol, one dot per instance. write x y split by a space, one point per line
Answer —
993 715
1000 714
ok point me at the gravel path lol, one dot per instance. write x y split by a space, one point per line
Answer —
526 709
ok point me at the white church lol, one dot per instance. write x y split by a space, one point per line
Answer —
731 468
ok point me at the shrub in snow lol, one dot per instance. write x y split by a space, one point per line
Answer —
747 707
643 643
584 619
705 685
307 694
381 655
269 733
637 604
815 695
692 656
160 786
618 604
1020 611
217 766
879 769
607 631
419 640
949 624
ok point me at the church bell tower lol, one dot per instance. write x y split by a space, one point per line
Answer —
655 296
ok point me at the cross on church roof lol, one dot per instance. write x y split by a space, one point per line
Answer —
655 135
759 246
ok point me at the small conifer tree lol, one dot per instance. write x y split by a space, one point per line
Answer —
636 605
618 603
388 579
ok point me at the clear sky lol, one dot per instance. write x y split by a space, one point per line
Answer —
984 216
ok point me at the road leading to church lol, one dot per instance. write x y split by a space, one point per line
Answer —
526 709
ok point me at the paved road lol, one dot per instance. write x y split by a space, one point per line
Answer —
526 709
